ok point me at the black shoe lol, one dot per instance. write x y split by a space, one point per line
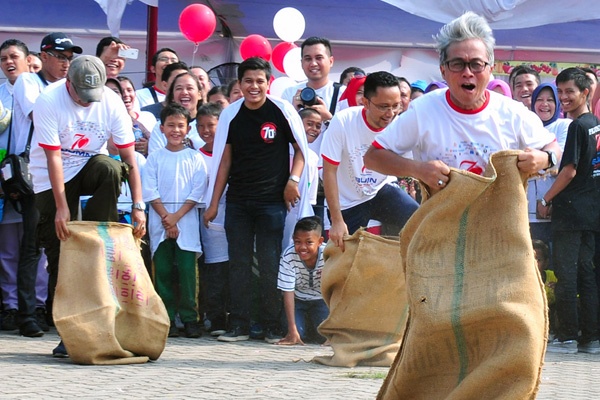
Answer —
173 330
237 334
60 351
41 319
192 329
30 329
9 320
272 336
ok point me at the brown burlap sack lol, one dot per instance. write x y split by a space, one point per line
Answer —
365 291
105 308
477 324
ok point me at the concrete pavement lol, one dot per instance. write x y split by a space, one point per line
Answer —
207 369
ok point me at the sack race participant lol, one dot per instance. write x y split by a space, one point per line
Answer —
364 288
118 318
477 325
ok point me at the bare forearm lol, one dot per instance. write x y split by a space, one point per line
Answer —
389 163
297 161
564 177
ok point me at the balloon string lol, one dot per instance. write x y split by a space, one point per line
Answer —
196 45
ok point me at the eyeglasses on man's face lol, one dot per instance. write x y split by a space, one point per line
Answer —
60 57
384 109
458 65
168 59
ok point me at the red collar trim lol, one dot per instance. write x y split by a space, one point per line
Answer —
462 110
364 116
137 115
158 90
209 154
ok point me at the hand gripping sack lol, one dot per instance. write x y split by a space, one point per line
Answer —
477 325
105 307
365 291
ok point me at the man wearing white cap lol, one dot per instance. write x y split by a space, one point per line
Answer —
73 122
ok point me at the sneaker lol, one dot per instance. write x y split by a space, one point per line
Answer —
256 331
234 335
272 336
60 351
173 330
592 347
218 332
9 320
192 329
564 347
41 319
30 329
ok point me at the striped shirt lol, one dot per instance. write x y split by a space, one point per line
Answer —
294 276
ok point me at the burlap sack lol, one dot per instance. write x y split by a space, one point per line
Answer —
477 324
365 290
105 308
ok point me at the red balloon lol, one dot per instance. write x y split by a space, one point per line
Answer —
197 22
279 53
255 46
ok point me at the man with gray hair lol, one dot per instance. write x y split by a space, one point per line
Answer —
461 126
73 121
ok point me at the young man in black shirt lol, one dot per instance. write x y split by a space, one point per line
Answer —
575 216
252 156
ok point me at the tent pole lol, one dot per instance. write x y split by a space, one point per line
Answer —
151 41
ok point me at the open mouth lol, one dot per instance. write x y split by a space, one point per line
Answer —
468 86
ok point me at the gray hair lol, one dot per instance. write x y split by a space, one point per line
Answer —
467 26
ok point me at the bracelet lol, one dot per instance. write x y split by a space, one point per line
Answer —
294 178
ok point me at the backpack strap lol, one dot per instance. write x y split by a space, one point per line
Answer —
153 93
334 99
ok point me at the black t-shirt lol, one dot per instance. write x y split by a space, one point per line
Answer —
260 154
577 206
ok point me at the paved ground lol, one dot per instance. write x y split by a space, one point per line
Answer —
207 369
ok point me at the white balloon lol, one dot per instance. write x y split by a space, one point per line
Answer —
289 24
280 84
292 64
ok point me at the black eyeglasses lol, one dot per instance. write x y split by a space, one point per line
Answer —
458 65
61 57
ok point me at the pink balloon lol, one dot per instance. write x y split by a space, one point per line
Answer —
197 22
255 46
279 53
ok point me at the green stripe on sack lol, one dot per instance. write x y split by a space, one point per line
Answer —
459 271
110 257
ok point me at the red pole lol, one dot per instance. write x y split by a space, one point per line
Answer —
151 41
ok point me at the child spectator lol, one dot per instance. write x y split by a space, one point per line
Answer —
215 272
311 120
542 259
299 278
174 182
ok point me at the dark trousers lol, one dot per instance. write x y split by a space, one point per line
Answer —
216 279
29 258
391 205
101 178
574 270
245 222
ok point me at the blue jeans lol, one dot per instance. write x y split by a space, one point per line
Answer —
315 311
391 205
245 222
574 268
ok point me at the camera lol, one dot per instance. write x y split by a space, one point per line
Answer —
308 96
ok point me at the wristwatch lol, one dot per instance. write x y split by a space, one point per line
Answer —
544 202
552 160
139 206
295 178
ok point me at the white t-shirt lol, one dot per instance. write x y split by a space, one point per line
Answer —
174 177
144 97
434 128
214 239
347 140
78 132
158 140
294 276
147 119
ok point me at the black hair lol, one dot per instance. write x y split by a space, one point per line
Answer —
541 247
305 112
581 80
105 42
230 88
313 40
169 98
589 71
309 224
350 70
172 67
174 109
157 54
522 70
217 90
125 78
254 64
378 79
210 109
116 83
403 79
17 43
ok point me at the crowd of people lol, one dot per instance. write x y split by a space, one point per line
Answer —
229 177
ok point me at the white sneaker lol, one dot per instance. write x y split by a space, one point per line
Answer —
592 347
566 347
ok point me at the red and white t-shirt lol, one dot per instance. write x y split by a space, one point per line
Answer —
78 132
344 144
435 128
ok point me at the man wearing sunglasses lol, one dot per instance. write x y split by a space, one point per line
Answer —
57 52
355 194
